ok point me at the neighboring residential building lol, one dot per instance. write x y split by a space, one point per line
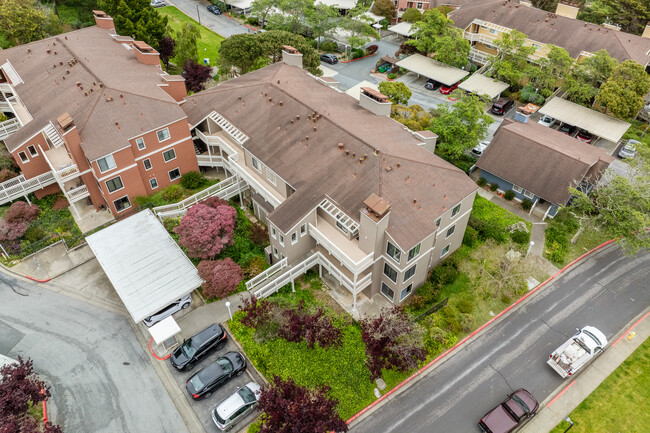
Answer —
483 21
339 183
94 115
540 164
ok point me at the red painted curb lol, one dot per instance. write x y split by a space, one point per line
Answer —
37 280
561 392
245 25
156 356
44 407
358 58
451 349
631 327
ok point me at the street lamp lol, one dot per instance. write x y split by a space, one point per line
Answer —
530 247
228 306
567 419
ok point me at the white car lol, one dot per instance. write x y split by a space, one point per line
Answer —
157 3
547 121
480 148
175 306
234 408
629 150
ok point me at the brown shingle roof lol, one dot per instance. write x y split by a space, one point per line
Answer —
541 160
104 69
275 107
573 35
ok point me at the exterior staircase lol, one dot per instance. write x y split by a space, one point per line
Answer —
53 135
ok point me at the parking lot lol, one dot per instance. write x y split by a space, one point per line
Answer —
606 145
203 407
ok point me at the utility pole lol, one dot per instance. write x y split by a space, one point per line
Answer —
198 14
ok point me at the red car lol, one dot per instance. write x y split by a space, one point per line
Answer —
512 413
585 136
446 90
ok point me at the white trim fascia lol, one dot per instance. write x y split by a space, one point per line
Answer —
158 128
162 149
453 223
101 179
108 154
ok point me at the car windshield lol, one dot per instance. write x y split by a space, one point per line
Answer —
521 403
188 349
225 364
593 337
582 344
546 119
196 382
246 395
510 412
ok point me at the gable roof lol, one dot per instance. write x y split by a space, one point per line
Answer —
275 107
95 79
573 35
541 160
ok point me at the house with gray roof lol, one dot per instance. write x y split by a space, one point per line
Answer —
540 164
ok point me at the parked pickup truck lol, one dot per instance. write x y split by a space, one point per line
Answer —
577 351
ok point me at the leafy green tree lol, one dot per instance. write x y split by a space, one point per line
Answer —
321 19
271 43
292 17
398 92
262 8
631 15
24 21
619 204
452 50
622 93
186 43
551 70
136 18
411 15
511 63
462 125
435 34
358 24
384 8
586 77
239 51
413 117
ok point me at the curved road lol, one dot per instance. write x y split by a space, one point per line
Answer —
101 380
607 290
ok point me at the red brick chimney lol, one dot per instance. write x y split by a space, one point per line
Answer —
291 56
175 86
145 54
103 20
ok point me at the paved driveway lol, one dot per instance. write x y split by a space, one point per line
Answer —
220 24
101 379
203 407
607 290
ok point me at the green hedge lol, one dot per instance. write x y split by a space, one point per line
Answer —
491 220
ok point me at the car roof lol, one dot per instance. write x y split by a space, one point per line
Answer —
207 334
233 403
210 372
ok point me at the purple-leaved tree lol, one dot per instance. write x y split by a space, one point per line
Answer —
221 277
206 230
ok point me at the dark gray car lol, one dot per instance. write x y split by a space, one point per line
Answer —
172 308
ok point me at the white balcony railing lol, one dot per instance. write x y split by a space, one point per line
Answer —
212 161
8 127
479 56
77 193
67 173
354 266
19 186
266 275
479 37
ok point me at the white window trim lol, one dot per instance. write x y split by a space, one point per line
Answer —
273 232
339 225
109 169
303 232
162 149
145 165
458 212
35 154
437 222
493 31
24 152
294 241
108 180
414 271
281 239
526 194
118 199
156 180
272 173
415 256
169 136
392 258
137 143
253 161
517 188
453 230
387 276
408 294
381 291
169 150
444 253
275 252
169 173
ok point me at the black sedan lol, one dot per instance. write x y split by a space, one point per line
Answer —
329 58
214 375
214 9
197 346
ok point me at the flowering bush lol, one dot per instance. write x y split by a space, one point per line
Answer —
21 212
206 230
11 231
221 277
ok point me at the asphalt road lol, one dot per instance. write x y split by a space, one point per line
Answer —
607 291
220 24
101 380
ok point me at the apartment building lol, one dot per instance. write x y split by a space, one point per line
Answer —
339 184
483 21
92 114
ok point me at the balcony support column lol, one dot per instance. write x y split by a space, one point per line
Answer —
27 198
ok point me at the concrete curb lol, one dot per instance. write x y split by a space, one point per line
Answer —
443 356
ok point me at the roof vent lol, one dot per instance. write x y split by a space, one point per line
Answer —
340 146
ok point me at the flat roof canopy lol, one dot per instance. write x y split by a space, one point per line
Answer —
355 91
433 69
147 268
585 118
482 85
164 330
239 4
403 28
339 4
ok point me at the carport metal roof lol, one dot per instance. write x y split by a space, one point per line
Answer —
482 85
147 268
5 360
403 28
585 118
433 69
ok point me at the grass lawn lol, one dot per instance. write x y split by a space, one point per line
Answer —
620 403
207 46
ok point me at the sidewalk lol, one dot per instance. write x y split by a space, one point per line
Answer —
559 405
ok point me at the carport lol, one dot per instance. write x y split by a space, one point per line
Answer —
598 124
482 85
433 69
403 29
146 267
